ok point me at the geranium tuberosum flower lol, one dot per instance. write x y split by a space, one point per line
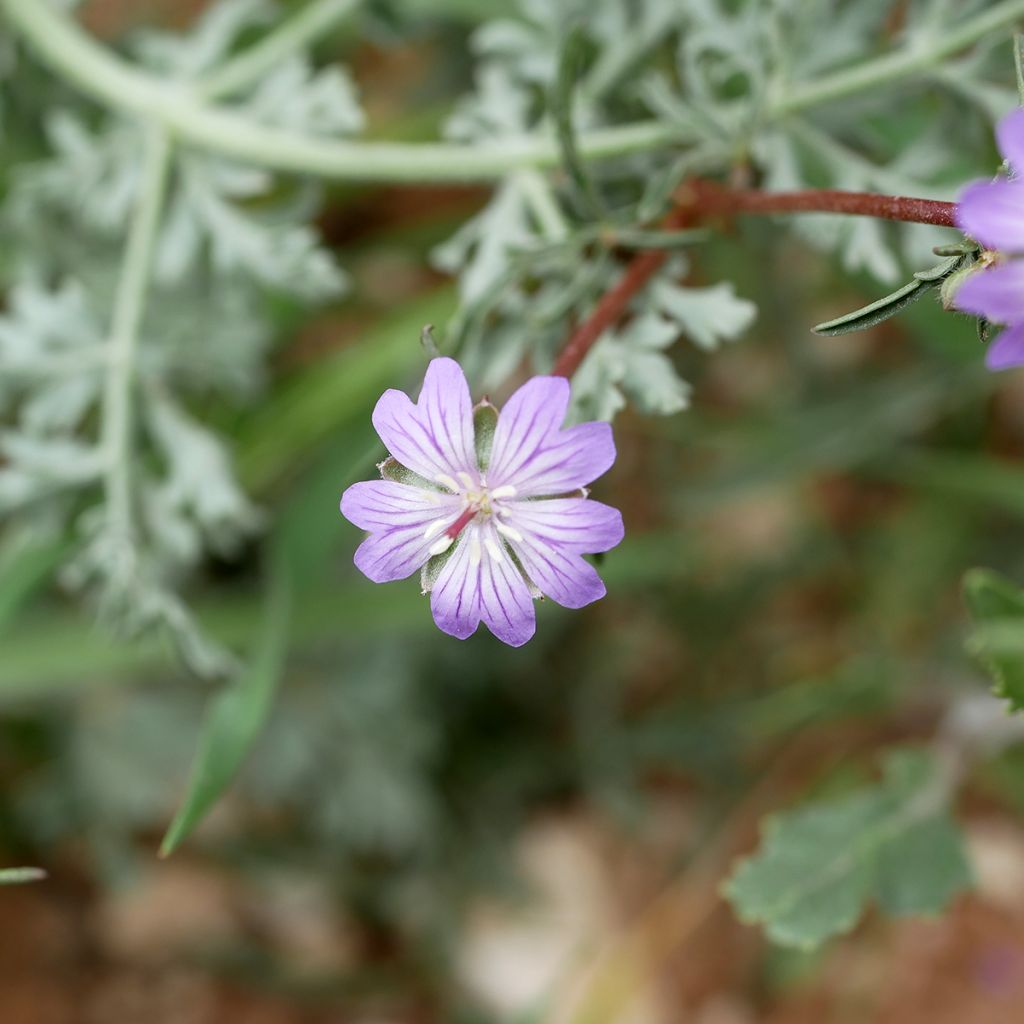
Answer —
992 213
490 507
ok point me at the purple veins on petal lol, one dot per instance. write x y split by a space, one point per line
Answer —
579 525
1007 350
404 522
480 582
501 544
534 455
434 436
992 213
996 293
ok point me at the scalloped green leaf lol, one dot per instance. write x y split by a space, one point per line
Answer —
818 866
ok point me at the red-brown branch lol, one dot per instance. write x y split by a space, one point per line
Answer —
700 200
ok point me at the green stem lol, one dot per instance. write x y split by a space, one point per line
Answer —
129 305
298 32
69 50
901 63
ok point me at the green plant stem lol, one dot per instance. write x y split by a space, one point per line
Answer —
907 60
71 52
129 305
313 21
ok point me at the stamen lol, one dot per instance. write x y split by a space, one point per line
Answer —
435 527
466 479
505 491
447 481
493 550
440 547
509 531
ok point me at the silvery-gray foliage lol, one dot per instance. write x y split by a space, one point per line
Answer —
229 233
531 265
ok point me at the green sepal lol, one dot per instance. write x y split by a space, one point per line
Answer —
391 469
485 422
890 305
432 569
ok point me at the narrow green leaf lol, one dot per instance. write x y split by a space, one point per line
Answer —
819 865
867 316
23 571
996 604
19 876
940 271
235 716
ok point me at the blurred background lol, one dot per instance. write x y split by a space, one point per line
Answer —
434 831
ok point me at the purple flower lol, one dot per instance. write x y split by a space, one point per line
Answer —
492 508
992 213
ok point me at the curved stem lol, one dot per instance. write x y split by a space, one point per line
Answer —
298 32
61 43
700 200
129 305
66 47
711 199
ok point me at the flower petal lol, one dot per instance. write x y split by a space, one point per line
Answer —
434 437
573 524
992 212
996 293
480 581
564 576
1010 136
533 454
1007 350
398 517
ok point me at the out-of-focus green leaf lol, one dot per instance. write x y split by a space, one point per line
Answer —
23 571
336 392
819 865
235 717
18 876
997 607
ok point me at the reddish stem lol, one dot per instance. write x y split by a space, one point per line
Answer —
703 200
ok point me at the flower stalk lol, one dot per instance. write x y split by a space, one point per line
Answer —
700 200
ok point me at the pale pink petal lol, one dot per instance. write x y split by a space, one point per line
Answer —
992 213
565 461
534 455
573 524
480 581
435 436
564 576
527 421
1010 135
996 293
404 523
1007 350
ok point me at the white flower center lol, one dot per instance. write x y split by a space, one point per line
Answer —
479 503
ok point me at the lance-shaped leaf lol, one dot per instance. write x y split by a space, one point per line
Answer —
997 607
236 716
890 305
818 866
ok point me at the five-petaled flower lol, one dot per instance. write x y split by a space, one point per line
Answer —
491 507
992 213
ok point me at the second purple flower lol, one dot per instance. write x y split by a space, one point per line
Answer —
491 509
